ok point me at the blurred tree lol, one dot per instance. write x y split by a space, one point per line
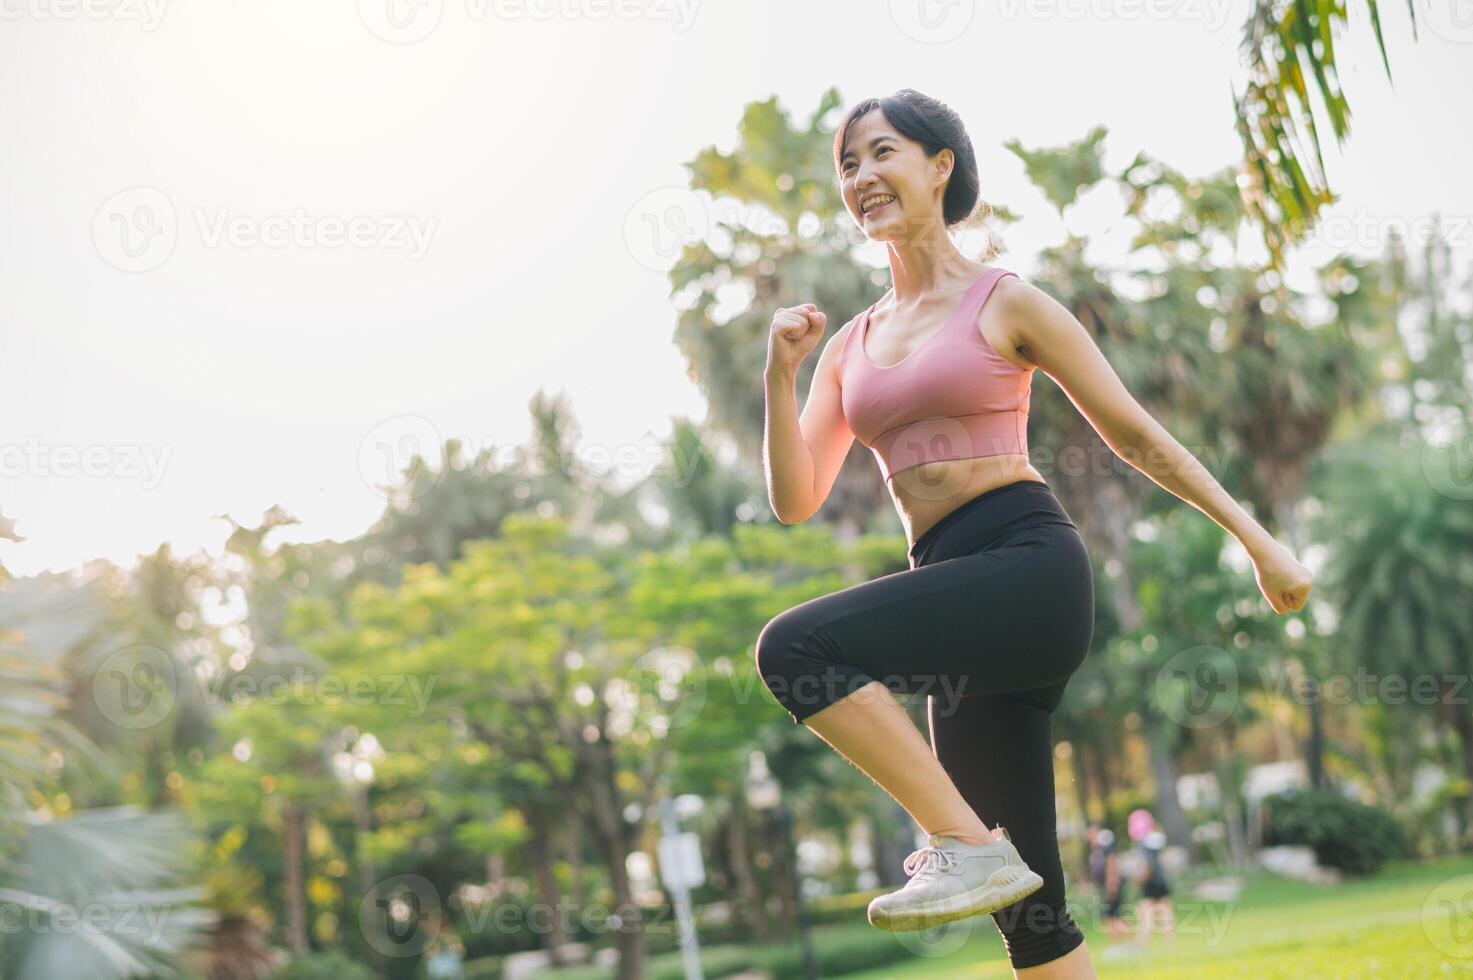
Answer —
121 870
1400 574
1284 44
786 243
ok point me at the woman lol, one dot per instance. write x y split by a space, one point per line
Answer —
997 608
1154 907
1108 882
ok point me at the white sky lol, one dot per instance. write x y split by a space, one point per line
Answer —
223 375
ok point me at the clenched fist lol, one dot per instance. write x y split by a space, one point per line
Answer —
795 331
1283 581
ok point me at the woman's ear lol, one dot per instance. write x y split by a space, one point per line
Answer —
945 160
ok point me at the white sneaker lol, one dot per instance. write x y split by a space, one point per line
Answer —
953 880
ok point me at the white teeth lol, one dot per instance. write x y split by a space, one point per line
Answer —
875 202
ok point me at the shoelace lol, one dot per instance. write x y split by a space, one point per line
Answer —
930 859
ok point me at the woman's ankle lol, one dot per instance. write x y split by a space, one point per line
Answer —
973 835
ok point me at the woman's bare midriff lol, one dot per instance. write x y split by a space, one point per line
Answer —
927 492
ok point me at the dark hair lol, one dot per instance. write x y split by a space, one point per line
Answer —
935 126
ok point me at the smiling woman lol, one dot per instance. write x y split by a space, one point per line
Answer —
998 603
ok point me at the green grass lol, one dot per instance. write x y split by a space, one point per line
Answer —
1277 928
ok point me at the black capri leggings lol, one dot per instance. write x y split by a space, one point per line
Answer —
993 616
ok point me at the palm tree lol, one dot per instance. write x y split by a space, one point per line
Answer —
1285 45
118 869
1401 572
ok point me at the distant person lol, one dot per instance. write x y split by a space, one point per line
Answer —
1109 882
1154 907
1139 823
446 961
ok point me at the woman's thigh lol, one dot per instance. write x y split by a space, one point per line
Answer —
1014 617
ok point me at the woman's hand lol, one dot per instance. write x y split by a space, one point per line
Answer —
795 331
1284 582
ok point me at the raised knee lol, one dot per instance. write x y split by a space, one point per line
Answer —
778 646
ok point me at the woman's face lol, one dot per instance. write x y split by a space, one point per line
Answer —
879 165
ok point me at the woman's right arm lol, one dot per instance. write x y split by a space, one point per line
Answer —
802 457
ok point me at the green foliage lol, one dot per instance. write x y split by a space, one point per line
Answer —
118 871
331 965
1289 51
1345 833
1067 173
838 949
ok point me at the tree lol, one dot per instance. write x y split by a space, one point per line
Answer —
781 179
1284 45
101 890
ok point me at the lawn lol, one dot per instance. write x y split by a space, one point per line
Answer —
1375 927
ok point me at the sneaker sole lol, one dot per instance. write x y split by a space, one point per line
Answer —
996 894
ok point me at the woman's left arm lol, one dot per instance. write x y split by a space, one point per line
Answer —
1054 340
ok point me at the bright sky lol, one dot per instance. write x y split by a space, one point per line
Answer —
254 251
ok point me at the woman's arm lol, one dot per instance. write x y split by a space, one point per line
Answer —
1055 341
802 455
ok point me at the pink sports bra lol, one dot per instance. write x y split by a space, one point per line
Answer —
953 397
